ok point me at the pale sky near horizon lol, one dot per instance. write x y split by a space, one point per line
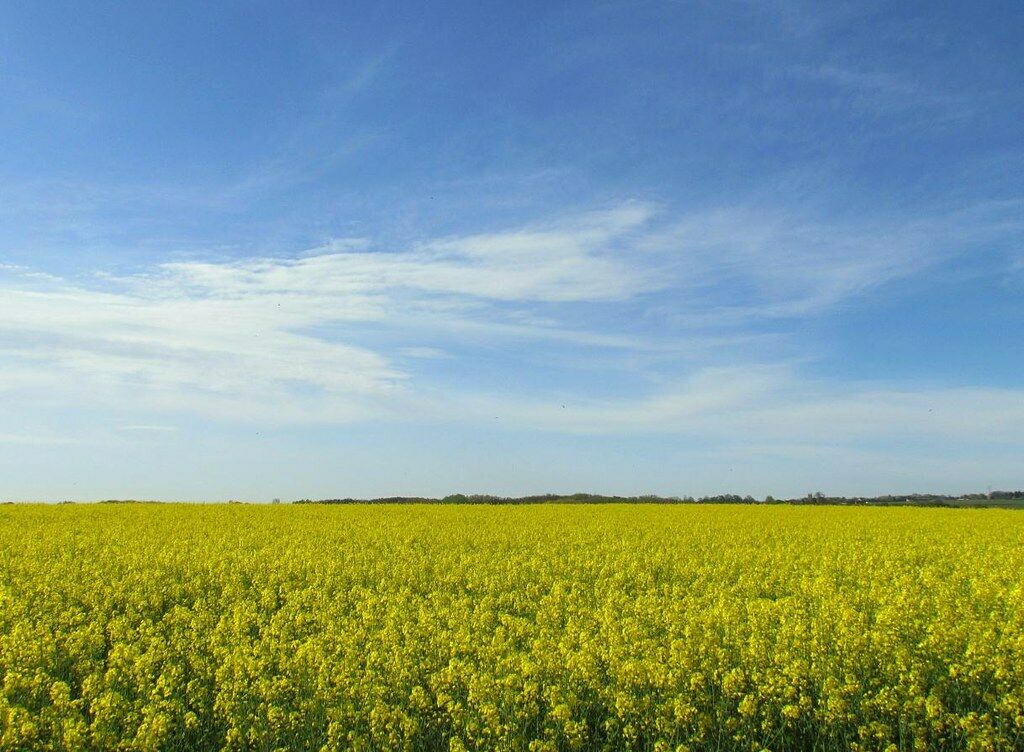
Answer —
255 250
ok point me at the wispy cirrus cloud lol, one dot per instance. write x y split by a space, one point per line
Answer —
885 91
774 403
583 259
755 262
286 339
237 339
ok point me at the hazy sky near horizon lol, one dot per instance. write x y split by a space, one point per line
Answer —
255 250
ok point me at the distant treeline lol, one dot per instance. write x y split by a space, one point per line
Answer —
994 498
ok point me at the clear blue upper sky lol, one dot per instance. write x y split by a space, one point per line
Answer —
305 249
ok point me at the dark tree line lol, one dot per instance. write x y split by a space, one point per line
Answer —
993 498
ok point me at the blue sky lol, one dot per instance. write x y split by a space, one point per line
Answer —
254 250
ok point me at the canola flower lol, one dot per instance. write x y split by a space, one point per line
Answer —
665 628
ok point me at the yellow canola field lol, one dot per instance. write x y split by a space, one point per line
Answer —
176 627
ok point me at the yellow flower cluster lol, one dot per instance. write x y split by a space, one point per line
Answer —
666 628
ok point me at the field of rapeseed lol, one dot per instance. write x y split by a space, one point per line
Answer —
167 627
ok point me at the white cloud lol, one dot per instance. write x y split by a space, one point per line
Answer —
709 393
745 263
771 403
423 352
266 338
277 339
569 262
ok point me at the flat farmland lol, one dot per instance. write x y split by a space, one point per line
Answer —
543 627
